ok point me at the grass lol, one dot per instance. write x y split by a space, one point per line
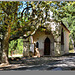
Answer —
71 51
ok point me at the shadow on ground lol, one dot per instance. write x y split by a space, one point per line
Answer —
70 54
65 62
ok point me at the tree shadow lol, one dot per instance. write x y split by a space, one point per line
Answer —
70 54
42 63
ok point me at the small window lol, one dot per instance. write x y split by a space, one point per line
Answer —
37 45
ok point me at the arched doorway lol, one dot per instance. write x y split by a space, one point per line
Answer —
47 46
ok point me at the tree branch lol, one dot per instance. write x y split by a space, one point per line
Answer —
24 10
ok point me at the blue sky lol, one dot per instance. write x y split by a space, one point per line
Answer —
24 5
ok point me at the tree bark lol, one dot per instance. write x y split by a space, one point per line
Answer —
5 52
5 47
11 52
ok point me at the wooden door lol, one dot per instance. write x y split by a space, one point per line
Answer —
47 46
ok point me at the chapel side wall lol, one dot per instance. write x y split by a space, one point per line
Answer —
58 48
66 41
40 37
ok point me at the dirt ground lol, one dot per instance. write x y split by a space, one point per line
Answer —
65 62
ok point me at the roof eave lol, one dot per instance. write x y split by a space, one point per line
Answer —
65 27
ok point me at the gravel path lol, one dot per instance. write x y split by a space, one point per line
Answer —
66 62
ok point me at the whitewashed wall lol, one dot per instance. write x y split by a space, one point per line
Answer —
40 38
65 47
66 41
55 49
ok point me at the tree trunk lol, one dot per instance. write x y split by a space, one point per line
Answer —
5 52
11 52
5 47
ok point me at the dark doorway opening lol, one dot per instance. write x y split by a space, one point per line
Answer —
47 46
62 37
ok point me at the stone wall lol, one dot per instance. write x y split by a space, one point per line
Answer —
56 31
40 37
55 37
66 41
26 47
